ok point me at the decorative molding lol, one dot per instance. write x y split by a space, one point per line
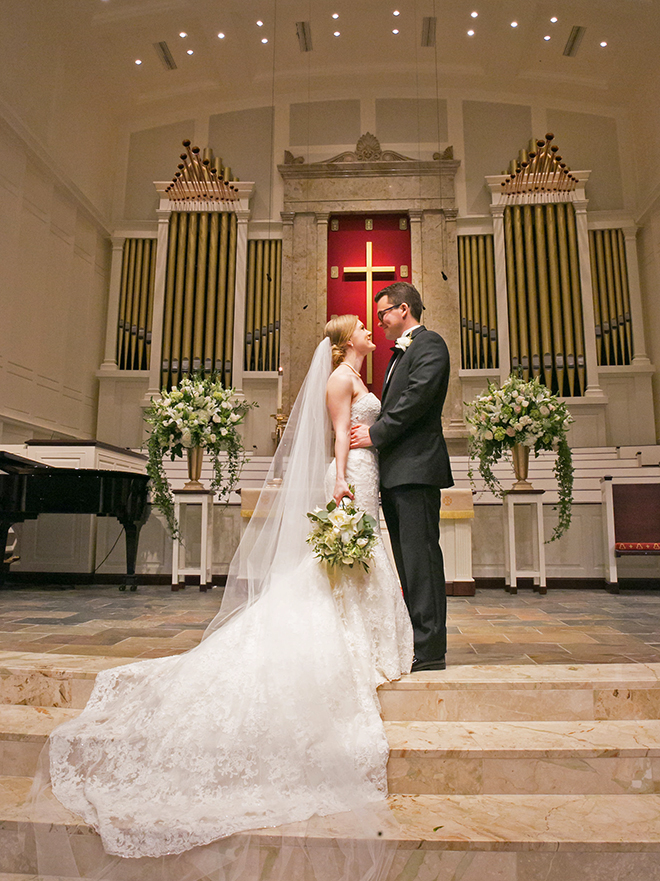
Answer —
369 160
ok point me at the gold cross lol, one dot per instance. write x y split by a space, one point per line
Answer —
369 271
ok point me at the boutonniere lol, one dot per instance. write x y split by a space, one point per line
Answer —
403 342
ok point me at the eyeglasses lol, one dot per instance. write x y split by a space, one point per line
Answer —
384 312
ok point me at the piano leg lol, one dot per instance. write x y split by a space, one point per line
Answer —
132 536
4 567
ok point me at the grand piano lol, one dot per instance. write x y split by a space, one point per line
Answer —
29 488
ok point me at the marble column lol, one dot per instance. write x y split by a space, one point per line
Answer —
238 349
501 293
634 289
109 364
159 306
593 388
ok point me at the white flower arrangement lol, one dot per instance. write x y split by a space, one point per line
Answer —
342 535
198 412
403 342
527 413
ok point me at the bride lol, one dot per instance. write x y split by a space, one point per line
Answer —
273 717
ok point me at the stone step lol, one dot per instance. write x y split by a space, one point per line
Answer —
481 758
474 837
551 692
468 693
469 758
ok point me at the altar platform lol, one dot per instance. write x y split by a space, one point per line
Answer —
535 755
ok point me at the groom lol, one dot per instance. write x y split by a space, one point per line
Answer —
414 464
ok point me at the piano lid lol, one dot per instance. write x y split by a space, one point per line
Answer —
11 463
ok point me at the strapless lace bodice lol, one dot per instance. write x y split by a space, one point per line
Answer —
365 410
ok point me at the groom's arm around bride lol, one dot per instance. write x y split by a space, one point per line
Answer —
414 464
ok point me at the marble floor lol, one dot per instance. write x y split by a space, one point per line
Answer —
563 627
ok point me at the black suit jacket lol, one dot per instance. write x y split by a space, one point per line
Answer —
408 433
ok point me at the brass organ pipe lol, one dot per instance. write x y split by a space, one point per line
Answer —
150 305
618 295
492 302
231 292
531 292
514 341
468 303
144 296
567 300
602 293
555 297
519 250
200 291
258 297
189 293
249 304
128 319
578 317
541 260
121 311
137 294
483 302
221 310
463 300
268 311
180 277
212 287
278 303
170 280
272 271
598 329
474 290
625 290
611 300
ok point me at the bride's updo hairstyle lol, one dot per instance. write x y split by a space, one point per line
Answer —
339 330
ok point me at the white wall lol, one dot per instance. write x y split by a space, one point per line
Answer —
54 270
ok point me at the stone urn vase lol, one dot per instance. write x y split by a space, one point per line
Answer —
195 459
520 456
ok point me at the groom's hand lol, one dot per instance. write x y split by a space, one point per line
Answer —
360 437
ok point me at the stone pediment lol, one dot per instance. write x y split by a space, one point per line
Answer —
367 158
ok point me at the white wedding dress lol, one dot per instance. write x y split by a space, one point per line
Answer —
272 718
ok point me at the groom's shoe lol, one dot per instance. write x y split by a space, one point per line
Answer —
438 664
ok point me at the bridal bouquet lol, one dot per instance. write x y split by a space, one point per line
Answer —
342 534
526 413
198 412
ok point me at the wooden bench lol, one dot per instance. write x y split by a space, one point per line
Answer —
631 515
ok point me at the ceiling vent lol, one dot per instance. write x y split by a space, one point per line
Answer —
304 32
163 52
574 40
428 31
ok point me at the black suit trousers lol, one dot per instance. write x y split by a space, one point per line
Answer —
412 514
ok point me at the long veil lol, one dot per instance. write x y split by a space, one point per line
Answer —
270 717
273 543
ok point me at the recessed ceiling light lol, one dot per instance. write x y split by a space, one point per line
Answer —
474 14
260 23
189 52
603 44
264 39
396 12
470 33
554 19
137 61
335 15
395 31
547 37
514 24
337 34
221 36
183 34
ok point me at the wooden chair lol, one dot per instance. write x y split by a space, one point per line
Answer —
631 515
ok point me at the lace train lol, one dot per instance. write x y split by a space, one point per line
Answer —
271 719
